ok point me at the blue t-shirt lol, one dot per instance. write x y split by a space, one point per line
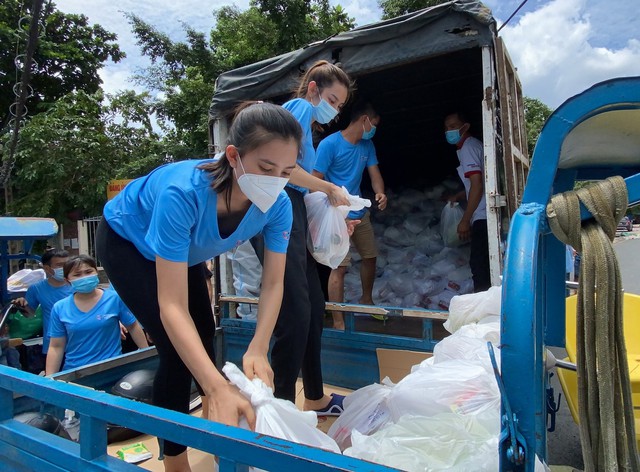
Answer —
343 163
46 295
173 213
92 336
302 111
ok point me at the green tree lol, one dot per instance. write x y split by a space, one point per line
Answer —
535 115
67 154
393 8
185 72
69 55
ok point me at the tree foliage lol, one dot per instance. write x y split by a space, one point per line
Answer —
69 55
185 72
535 114
67 154
393 8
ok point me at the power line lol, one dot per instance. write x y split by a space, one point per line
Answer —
23 90
512 15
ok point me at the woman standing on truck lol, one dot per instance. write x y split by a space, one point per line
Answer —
321 93
85 326
157 232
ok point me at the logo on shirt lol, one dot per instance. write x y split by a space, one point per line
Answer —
285 235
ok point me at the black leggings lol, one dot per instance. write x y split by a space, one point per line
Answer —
134 278
298 331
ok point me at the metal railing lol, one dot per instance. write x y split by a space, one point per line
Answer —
24 447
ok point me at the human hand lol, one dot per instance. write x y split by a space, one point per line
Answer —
351 226
381 198
337 196
464 230
257 365
21 301
227 405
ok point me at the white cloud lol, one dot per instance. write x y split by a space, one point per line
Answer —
168 16
560 47
554 50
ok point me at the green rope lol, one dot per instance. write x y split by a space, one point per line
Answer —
605 405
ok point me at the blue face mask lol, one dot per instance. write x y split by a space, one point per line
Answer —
368 134
453 136
323 113
85 284
58 274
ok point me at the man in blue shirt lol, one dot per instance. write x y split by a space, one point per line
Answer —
341 159
48 291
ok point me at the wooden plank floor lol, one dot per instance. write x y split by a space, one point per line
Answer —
201 461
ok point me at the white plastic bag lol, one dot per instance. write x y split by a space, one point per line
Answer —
445 442
277 417
23 279
328 240
449 219
462 386
471 308
365 411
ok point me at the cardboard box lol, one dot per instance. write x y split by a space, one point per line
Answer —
397 363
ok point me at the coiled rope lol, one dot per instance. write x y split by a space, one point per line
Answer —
605 407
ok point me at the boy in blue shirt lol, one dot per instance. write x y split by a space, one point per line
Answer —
48 291
341 159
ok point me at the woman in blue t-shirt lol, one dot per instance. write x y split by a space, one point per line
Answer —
322 92
85 326
156 234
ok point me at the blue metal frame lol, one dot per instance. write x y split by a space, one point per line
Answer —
533 308
24 448
349 356
27 230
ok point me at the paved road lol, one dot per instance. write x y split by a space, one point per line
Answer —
628 252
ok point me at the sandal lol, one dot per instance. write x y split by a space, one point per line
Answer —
334 408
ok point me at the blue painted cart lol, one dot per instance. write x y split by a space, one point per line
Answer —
26 230
592 136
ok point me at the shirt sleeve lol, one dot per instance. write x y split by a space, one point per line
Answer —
125 315
32 297
471 160
174 216
56 327
372 157
324 155
278 228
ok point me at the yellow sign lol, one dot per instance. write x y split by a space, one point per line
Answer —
114 187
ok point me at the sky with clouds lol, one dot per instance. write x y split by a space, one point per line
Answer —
560 47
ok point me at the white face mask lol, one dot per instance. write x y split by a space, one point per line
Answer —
262 190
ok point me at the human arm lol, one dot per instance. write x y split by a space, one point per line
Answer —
302 178
226 403
377 183
473 200
54 355
138 335
255 362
